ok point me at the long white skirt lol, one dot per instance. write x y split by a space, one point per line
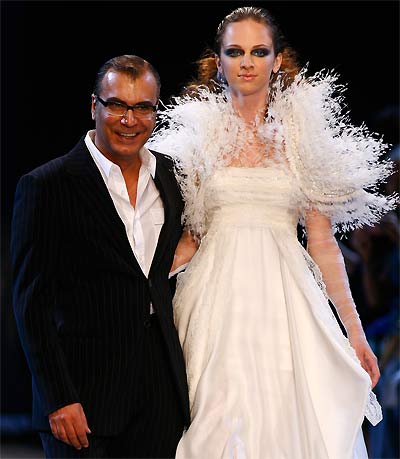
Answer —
270 372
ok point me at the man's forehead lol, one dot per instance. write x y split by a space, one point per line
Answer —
129 88
113 76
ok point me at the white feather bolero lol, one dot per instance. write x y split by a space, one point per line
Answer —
337 166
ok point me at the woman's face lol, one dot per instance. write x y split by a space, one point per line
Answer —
247 58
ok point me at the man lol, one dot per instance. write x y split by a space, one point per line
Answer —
93 240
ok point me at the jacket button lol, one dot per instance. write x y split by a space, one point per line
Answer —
147 323
150 283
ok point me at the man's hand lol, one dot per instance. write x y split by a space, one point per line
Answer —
69 425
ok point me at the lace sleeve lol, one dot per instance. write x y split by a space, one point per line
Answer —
323 248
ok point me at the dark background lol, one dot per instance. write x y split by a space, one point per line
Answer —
51 51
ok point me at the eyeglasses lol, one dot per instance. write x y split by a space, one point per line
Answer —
141 110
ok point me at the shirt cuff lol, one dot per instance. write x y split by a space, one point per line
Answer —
177 270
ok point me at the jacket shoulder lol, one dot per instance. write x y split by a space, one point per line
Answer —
166 159
54 168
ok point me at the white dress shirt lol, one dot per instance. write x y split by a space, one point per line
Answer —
143 222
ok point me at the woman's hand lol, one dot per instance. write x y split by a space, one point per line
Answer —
366 357
186 248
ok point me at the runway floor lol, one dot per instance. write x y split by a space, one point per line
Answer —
21 447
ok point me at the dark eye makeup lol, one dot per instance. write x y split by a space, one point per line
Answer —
235 52
261 52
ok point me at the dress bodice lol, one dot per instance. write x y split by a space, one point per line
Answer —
251 197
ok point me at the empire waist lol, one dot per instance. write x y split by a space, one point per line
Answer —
252 216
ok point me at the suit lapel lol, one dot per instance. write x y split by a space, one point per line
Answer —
89 184
162 181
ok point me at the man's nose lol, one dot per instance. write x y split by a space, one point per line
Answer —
129 119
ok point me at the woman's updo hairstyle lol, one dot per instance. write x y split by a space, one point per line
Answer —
207 68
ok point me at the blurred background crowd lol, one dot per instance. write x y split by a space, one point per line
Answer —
372 260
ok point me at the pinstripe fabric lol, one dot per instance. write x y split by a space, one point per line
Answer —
81 301
157 422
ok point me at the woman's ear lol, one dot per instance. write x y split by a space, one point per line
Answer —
277 63
218 63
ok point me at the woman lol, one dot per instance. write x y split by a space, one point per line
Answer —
270 373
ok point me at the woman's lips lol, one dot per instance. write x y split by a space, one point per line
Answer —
247 76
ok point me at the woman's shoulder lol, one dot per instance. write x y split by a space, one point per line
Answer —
320 90
338 165
194 106
187 125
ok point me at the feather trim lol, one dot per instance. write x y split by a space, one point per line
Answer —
199 134
337 166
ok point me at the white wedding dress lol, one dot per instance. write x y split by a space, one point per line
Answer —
267 365
270 373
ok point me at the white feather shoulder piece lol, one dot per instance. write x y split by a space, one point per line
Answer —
337 166
199 134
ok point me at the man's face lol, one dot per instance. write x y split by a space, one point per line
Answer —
121 138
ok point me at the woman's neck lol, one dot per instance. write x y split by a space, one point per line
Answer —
249 107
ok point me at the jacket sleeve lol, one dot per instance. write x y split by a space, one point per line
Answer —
35 255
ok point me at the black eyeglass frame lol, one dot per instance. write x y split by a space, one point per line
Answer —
105 103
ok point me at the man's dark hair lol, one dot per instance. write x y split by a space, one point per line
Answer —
133 66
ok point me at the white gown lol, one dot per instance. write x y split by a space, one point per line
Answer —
269 371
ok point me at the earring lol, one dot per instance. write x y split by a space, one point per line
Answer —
221 78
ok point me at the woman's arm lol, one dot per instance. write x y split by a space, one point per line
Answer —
323 248
186 248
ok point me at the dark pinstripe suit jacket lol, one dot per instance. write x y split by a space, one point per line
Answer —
81 300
